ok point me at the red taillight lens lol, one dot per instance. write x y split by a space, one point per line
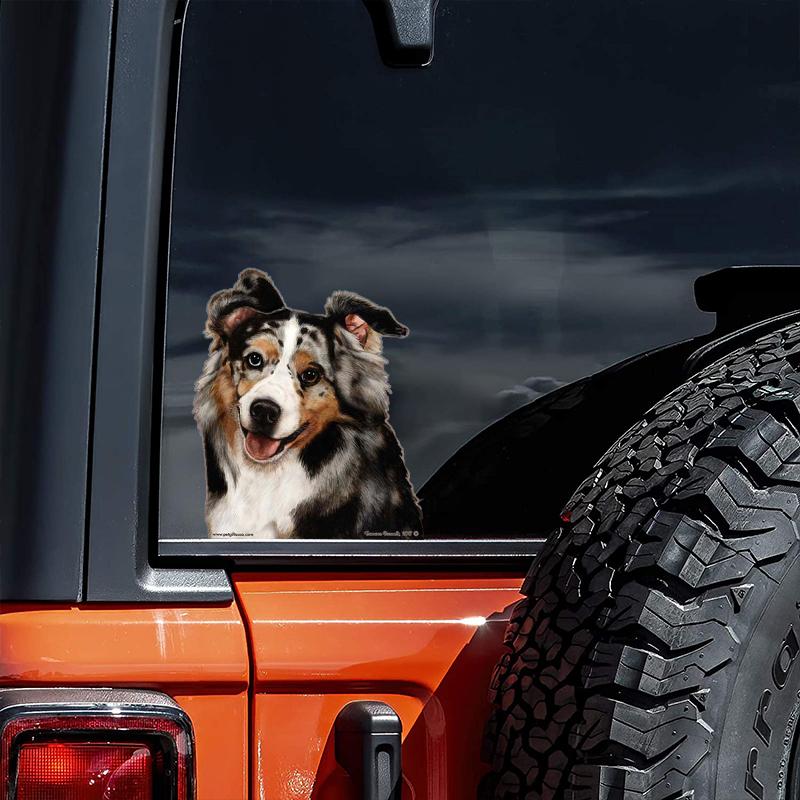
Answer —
112 756
78 771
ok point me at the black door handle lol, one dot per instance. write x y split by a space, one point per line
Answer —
367 738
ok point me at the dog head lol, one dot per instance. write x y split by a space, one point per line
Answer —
287 375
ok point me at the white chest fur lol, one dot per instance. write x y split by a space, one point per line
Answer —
260 501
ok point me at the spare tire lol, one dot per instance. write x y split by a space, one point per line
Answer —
656 653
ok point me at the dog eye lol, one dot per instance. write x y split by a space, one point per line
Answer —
310 376
255 360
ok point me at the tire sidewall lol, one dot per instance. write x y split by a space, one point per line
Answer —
763 710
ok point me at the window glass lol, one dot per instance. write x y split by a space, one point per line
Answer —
532 207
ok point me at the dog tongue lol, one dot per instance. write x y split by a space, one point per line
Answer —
261 447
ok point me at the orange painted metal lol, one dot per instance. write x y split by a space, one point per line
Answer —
426 646
221 740
198 655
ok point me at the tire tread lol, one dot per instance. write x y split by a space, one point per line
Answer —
635 603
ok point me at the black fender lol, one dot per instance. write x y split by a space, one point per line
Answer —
514 477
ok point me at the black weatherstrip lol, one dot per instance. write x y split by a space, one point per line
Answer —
98 284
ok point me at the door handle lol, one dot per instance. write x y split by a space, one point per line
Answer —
367 739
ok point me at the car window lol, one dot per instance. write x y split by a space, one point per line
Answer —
532 207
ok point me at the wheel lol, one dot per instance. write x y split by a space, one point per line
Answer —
655 655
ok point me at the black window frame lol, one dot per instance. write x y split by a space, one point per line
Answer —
121 561
126 557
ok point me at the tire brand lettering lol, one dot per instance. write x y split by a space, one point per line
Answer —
782 665
751 783
761 726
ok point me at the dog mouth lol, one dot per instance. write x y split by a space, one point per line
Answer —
263 448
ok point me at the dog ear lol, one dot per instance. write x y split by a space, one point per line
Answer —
362 318
252 293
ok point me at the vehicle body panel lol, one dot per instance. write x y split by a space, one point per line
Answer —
424 645
54 62
197 655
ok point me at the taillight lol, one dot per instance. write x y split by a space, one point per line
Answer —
109 753
89 771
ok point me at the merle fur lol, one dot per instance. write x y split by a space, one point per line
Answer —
374 492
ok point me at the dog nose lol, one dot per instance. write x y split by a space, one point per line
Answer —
265 412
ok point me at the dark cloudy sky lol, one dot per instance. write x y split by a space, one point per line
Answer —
534 206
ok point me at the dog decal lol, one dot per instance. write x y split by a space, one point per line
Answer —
293 410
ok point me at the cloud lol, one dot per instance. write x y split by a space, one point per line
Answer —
493 293
508 400
542 384
507 295
520 265
667 184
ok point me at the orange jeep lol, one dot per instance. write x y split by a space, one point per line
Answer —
235 564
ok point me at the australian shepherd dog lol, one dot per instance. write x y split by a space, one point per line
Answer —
293 409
